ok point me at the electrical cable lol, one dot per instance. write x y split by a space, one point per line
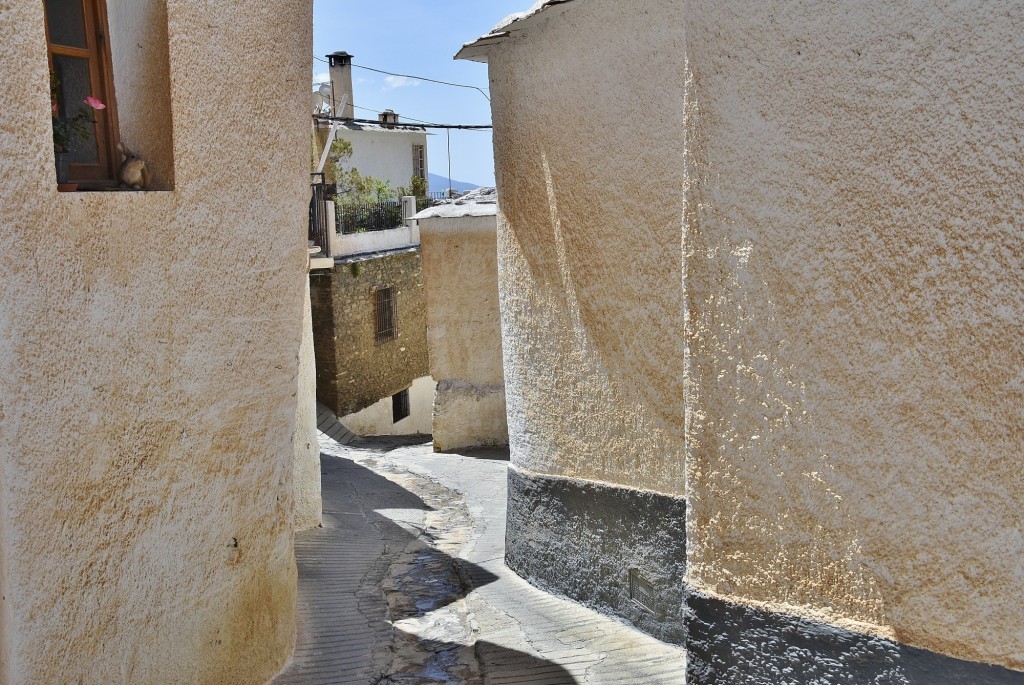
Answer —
368 109
418 78
457 127
424 78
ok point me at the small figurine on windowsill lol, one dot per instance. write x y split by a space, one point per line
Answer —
134 174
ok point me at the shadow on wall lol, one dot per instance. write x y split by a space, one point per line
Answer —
754 646
362 574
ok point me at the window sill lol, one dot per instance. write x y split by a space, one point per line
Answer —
78 188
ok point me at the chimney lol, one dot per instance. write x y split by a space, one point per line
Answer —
388 116
341 84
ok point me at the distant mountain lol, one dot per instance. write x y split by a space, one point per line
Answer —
439 184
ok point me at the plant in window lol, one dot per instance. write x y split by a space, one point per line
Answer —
69 129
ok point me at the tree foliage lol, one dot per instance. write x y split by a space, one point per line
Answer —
417 187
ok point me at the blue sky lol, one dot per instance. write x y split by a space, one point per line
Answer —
418 37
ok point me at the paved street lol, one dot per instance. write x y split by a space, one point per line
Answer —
405 584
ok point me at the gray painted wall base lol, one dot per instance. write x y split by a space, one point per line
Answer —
582 540
729 643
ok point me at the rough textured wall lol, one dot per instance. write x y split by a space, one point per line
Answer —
460 276
308 499
148 354
592 308
352 371
850 196
854 287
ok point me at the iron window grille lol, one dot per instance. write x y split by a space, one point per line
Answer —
385 301
400 406
419 161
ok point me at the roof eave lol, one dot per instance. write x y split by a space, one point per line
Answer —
477 51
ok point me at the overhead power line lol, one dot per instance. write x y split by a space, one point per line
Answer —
351 120
404 117
424 78
418 78
418 121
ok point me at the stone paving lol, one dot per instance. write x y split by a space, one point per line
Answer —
405 584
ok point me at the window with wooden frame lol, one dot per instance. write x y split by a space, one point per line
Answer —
385 302
419 161
80 67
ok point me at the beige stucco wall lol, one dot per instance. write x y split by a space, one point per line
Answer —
460 282
854 292
590 176
839 197
309 508
148 352
378 418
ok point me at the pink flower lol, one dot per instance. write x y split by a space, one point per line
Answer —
54 108
94 103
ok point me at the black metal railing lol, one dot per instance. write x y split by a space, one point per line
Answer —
368 216
319 225
424 202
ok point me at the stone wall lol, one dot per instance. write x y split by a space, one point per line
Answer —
354 372
460 273
795 224
149 358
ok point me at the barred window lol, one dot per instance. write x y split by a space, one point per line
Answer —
419 161
400 406
385 314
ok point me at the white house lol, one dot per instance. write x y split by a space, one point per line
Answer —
392 153
387 150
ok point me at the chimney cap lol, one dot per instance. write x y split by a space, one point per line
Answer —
341 57
388 116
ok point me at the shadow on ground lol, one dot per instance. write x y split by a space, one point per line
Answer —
363 571
489 453
387 443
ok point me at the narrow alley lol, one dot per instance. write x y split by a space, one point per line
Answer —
406 584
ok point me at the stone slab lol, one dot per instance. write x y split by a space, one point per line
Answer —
617 550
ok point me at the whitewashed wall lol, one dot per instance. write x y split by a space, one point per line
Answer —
383 154
377 419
